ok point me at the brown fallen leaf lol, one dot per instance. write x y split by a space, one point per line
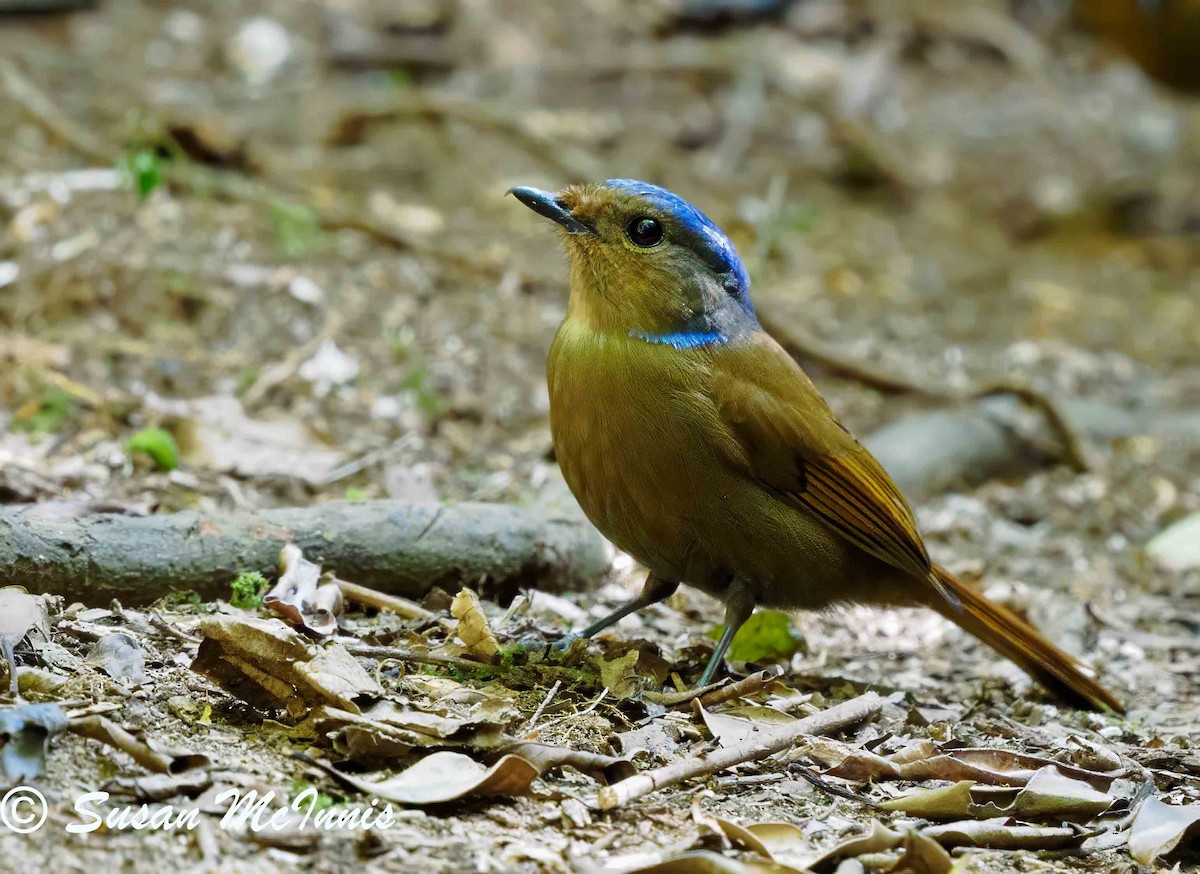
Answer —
473 628
981 765
302 597
786 844
704 862
272 667
1158 828
922 855
738 725
443 777
1003 834
1048 795
546 757
152 758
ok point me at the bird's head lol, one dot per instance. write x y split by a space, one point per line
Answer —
646 263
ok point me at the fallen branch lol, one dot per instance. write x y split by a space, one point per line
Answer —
997 436
398 548
835 719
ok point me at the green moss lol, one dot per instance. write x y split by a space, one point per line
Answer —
246 591
158 444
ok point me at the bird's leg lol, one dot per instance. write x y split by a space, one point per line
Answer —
654 590
739 604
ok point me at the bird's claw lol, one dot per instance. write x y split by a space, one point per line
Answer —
564 642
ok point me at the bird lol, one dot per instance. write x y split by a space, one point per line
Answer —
698 446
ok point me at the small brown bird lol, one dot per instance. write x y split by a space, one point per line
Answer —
696 444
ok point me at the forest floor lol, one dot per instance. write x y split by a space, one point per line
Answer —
950 204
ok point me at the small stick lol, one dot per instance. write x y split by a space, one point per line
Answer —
374 598
826 722
537 714
170 630
400 655
756 682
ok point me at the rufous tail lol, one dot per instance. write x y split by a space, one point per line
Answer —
1013 637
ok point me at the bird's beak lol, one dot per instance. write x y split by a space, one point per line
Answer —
544 203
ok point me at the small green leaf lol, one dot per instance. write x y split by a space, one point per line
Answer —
48 414
143 170
356 494
767 636
296 227
158 444
246 591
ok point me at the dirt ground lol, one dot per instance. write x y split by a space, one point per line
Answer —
954 200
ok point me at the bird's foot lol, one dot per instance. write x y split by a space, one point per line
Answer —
564 642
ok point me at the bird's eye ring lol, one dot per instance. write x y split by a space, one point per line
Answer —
644 231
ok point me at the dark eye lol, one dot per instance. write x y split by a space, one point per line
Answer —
644 231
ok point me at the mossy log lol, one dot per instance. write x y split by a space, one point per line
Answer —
400 548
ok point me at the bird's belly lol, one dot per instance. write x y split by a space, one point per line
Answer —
639 456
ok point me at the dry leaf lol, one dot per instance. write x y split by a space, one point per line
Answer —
786 844
1002 834
446 776
922 855
546 757
24 733
619 675
270 666
300 597
119 656
473 628
20 612
1048 795
704 862
1159 828
731 727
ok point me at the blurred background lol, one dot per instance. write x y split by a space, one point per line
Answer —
278 230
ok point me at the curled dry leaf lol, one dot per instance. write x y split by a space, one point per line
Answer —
1159 828
546 757
738 725
272 667
620 676
989 766
24 733
20 613
1003 834
302 597
1048 795
786 844
119 656
473 628
704 862
923 855
152 758
446 776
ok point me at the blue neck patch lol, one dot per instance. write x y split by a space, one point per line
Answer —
684 339
703 236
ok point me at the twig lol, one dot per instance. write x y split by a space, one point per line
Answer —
574 163
584 712
756 682
826 786
381 601
43 110
400 655
537 714
829 721
170 630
